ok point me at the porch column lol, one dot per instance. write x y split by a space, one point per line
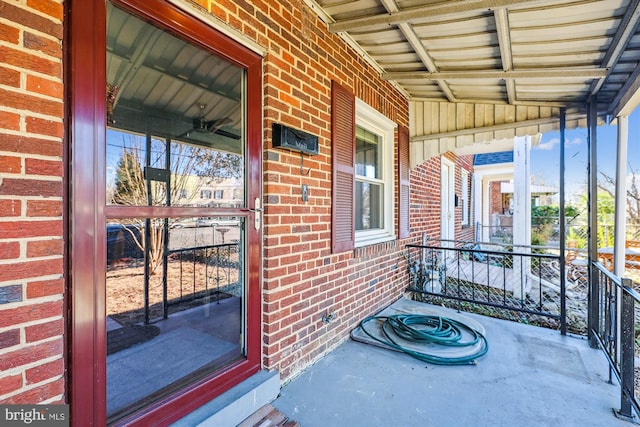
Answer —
521 211
594 297
620 225
478 206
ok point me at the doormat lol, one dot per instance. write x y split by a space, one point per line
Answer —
127 336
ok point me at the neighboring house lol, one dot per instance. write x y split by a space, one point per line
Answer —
496 194
324 210
442 198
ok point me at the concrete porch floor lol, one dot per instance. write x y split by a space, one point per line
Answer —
531 376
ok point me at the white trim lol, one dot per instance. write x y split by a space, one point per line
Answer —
369 118
464 196
223 27
450 226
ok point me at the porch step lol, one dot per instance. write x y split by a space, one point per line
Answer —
237 404
268 416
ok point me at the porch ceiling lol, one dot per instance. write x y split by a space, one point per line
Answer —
484 70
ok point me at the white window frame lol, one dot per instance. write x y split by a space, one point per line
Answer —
370 119
464 196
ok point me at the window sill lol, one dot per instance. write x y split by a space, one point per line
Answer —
374 239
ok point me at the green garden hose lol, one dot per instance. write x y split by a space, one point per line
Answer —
429 330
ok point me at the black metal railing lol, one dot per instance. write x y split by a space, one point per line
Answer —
203 271
615 332
529 284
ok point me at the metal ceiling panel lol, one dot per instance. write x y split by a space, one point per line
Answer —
550 53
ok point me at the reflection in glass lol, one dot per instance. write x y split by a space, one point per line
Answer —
175 116
141 169
367 154
368 206
176 317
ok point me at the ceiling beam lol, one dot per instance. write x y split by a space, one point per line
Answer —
626 30
556 74
627 97
501 16
419 49
423 13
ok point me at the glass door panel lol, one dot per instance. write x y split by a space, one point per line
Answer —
176 317
176 240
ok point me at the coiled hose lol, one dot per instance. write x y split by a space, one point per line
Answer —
427 329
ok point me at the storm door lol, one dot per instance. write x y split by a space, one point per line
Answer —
177 219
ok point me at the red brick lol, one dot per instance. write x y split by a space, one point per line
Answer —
44 127
9 77
31 20
43 167
9 34
10 208
23 101
38 43
29 145
43 331
22 59
24 229
9 339
45 288
51 8
31 188
31 312
9 120
43 208
25 270
44 86
10 383
37 394
9 250
43 248
10 164
30 354
44 372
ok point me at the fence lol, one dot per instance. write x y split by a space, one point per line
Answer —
615 330
527 285
203 272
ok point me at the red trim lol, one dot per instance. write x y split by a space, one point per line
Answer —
85 91
86 20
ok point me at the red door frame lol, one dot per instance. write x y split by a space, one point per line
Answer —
85 81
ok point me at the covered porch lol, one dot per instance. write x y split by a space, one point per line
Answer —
531 376
480 76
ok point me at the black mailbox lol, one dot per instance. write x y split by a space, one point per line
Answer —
293 139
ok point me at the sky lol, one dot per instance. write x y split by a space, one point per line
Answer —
545 157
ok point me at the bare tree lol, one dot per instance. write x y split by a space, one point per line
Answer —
632 199
132 188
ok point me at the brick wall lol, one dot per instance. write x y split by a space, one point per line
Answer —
31 190
425 198
466 232
303 281
495 199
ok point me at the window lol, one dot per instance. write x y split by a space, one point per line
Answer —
374 180
218 194
363 180
205 194
464 196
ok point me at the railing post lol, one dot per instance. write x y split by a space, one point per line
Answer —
627 373
593 319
